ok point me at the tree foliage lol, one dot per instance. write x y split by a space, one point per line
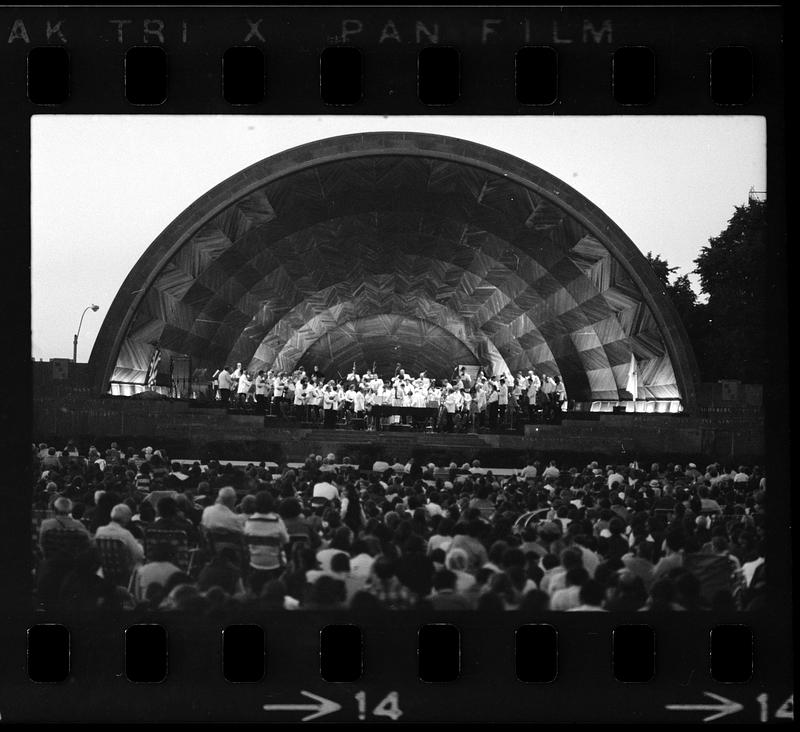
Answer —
728 331
732 272
680 291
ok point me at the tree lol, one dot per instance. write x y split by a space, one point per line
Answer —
732 273
680 291
661 268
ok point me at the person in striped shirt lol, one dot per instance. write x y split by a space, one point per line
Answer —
266 559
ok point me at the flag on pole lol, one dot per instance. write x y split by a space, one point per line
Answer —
633 379
152 369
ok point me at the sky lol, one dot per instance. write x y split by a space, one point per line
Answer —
103 187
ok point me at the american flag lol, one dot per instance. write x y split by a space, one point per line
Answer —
152 369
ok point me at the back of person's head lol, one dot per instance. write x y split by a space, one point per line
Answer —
662 592
392 519
687 588
227 496
341 539
496 552
645 550
571 557
500 583
289 508
490 602
265 503
62 506
327 592
592 593
631 587
154 594
549 561
444 579
513 557
248 504
445 527
146 512
216 598
183 597
616 526
167 507
414 544
121 513
273 593
719 544
576 576
675 540
175 579
457 560
438 556
383 568
340 562
365 603
535 602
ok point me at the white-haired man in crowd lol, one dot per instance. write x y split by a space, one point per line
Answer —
115 529
62 520
220 516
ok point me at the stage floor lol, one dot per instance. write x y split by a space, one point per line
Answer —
210 431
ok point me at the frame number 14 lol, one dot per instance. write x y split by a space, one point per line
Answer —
389 706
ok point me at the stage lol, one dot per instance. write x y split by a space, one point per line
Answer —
207 432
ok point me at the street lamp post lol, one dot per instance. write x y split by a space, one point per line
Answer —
93 308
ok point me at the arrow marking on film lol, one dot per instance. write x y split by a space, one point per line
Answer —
723 709
323 707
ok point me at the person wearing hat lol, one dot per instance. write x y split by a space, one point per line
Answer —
692 472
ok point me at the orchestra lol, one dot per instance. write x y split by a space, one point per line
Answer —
471 400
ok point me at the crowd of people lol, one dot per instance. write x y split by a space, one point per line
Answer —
461 402
395 535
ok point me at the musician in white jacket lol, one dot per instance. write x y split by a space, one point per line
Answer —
329 404
242 388
534 383
224 380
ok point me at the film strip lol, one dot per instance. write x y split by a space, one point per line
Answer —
512 660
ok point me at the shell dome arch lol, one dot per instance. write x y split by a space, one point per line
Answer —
397 246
